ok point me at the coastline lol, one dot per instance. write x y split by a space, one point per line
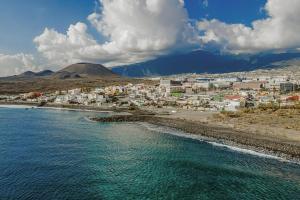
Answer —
226 144
68 107
218 136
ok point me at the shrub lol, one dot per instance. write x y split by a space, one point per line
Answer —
231 114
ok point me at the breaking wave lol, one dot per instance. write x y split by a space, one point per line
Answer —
172 131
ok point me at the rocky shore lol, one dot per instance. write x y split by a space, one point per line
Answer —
278 147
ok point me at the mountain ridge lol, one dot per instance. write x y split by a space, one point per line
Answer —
77 70
204 62
80 75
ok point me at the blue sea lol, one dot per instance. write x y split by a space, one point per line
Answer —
54 154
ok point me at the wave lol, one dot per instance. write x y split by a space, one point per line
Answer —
16 106
74 109
88 119
247 151
212 141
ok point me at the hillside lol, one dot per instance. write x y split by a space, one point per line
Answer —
28 75
205 62
73 76
81 70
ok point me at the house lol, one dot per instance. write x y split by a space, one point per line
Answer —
199 86
74 91
204 80
228 79
232 105
222 85
266 99
293 98
287 87
32 95
232 97
251 85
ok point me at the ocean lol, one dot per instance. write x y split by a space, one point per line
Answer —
55 154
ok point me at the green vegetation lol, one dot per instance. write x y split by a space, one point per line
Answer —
218 97
177 94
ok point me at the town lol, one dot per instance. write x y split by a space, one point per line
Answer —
223 92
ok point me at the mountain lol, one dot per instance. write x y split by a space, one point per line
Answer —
31 74
28 75
44 73
204 62
80 75
80 70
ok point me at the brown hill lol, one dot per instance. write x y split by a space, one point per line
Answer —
80 75
28 75
83 70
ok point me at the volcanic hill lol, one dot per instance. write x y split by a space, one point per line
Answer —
79 75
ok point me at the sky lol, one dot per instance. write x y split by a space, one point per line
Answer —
50 34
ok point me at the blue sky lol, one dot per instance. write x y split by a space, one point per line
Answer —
24 21
50 34
229 11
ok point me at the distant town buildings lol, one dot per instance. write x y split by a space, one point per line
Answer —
195 92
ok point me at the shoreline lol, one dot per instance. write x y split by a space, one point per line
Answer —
225 144
219 135
215 135
67 107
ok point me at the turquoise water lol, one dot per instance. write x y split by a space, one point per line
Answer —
50 154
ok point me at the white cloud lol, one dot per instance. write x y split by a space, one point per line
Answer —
279 31
74 46
136 30
16 64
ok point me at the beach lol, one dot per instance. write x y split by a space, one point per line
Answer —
197 124
283 147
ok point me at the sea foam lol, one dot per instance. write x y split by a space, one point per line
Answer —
74 109
16 106
211 141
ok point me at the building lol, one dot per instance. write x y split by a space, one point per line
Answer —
203 80
287 87
228 79
253 85
169 83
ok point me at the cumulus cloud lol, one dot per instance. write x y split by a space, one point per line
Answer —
135 30
16 64
74 46
138 30
280 30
